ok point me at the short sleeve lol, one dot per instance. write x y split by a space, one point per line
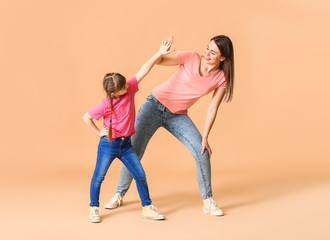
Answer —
133 84
185 56
222 82
98 111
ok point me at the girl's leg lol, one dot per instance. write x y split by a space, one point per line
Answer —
148 120
181 126
105 155
133 165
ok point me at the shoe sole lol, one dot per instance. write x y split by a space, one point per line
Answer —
94 221
112 207
153 218
214 214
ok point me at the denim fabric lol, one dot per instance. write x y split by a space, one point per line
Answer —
153 115
119 148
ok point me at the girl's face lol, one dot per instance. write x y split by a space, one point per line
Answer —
212 54
121 92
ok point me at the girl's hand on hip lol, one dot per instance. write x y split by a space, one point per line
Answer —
166 46
205 145
104 132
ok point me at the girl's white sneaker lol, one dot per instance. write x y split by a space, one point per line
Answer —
94 214
211 207
151 212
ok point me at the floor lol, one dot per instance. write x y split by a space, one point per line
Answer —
259 203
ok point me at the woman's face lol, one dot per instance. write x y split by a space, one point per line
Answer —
212 54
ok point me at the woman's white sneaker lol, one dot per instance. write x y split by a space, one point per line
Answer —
211 207
115 201
94 214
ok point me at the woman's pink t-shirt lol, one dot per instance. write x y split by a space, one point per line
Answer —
186 85
123 111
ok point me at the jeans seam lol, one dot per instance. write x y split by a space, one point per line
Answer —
196 152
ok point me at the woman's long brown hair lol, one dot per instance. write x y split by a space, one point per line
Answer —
112 83
226 49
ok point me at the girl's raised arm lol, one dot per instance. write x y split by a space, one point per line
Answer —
164 49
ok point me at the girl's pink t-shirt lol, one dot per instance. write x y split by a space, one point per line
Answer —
123 111
186 85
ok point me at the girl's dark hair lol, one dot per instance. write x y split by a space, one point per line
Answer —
112 82
226 49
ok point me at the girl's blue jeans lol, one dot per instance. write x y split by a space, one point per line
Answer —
153 115
119 148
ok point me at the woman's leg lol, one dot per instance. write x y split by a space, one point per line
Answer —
133 165
105 155
148 120
181 126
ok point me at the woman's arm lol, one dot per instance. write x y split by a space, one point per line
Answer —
168 60
88 119
164 49
210 117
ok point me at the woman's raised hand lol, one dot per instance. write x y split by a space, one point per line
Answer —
165 47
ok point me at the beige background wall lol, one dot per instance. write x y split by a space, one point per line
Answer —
271 143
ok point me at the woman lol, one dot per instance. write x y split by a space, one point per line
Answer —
167 107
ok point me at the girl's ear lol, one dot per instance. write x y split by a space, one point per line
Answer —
222 58
114 96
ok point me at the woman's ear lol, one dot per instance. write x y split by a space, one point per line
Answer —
222 58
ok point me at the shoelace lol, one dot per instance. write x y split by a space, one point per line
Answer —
154 209
212 202
96 212
117 199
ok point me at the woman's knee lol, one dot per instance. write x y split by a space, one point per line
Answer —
205 155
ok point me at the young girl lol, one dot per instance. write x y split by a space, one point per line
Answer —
118 112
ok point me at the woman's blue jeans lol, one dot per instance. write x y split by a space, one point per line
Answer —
119 148
153 115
